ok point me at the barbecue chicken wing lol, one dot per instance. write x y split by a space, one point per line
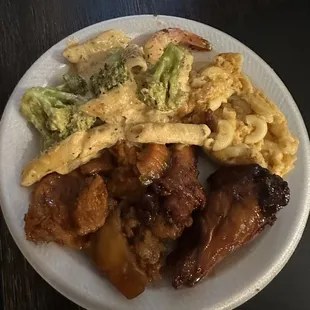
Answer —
241 202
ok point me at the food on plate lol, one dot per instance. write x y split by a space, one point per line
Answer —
128 110
99 165
73 84
92 53
180 188
92 205
133 56
50 215
153 160
54 113
150 221
166 84
111 254
155 46
241 202
168 133
77 149
113 74
124 183
117 175
214 85
251 129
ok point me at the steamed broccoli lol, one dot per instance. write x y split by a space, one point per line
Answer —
112 75
73 84
54 113
166 84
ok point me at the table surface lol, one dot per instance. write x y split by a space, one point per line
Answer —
277 30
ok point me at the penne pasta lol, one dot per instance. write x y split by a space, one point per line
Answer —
134 58
103 42
72 152
163 133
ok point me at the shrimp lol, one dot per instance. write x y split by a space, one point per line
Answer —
155 46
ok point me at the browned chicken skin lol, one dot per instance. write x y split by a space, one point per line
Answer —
125 184
164 209
242 201
137 223
65 208
92 205
124 153
180 188
102 164
49 218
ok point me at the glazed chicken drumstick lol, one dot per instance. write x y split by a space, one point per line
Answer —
241 202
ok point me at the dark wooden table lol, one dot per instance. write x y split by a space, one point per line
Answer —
277 30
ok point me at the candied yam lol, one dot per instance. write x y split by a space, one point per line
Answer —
111 254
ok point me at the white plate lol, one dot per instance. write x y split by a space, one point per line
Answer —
238 278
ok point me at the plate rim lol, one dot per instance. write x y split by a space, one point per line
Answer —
237 299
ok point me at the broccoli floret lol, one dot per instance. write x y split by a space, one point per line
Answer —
73 84
54 113
166 84
112 75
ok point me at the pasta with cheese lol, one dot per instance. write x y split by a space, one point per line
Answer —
72 152
105 41
249 128
134 58
163 133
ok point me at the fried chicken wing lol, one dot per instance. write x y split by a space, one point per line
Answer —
147 209
102 164
148 230
125 184
150 252
125 153
180 188
165 230
92 206
164 210
49 218
242 201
